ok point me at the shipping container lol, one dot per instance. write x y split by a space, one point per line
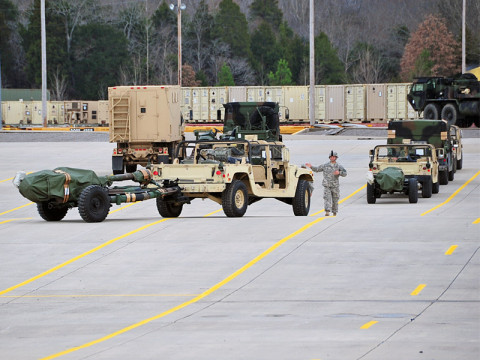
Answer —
237 94
275 94
255 94
354 103
200 104
376 103
186 105
320 104
218 97
55 113
13 112
335 95
296 101
102 118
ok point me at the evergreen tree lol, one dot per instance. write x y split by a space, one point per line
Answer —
225 77
232 28
57 57
8 24
283 75
265 53
328 67
293 49
267 11
101 53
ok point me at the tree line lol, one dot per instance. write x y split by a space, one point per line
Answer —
94 44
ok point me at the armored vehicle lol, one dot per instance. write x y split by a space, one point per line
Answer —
456 137
402 168
146 124
436 133
456 100
233 173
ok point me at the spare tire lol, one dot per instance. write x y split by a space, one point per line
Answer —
271 118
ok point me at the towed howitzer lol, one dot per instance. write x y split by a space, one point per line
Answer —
56 191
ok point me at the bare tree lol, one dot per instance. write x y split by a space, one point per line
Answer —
59 85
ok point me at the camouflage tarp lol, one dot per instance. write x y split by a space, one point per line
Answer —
390 179
47 185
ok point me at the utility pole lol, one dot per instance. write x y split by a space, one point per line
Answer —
179 26
147 25
464 67
44 64
312 67
1 119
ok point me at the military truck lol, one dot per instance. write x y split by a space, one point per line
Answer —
456 100
434 132
456 137
402 168
234 173
146 124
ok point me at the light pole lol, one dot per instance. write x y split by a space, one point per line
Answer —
312 66
180 7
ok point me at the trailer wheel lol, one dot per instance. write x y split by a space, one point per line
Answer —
431 112
460 162
450 113
371 198
168 209
94 203
427 188
412 190
51 212
235 199
443 177
301 201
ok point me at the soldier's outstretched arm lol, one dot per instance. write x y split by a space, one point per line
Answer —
343 172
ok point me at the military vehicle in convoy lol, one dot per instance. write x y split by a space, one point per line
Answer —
456 137
240 167
146 124
436 133
402 168
456 100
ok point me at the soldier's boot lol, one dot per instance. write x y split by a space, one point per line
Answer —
327 213
334 214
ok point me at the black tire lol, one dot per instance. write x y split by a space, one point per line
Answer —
94 203
168 209
371 198
431 112
435 188
117 165
131 168
451 174
443 177
50 211
301 201
235 199
460 162
412 190
450 113
427 188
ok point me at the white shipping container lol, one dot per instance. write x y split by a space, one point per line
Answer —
354 103
296 101
335 106
320 104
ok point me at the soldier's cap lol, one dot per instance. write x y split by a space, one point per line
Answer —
333 153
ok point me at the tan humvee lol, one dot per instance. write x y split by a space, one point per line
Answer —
417 165
146 124
234 174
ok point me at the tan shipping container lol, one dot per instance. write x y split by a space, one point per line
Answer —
335 106
218 97
200 104
397 103
376 103
320 104
296 101
102 115
354 103
186 105
55 113
13 112
237 94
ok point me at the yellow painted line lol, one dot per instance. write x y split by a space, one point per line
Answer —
418 290
123 207
68 262
191 301
368 324
344 199
6 221
1 181
451 249
97 295
476 221
213 212
453 195
8 211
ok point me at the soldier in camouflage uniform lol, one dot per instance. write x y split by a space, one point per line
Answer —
331 171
